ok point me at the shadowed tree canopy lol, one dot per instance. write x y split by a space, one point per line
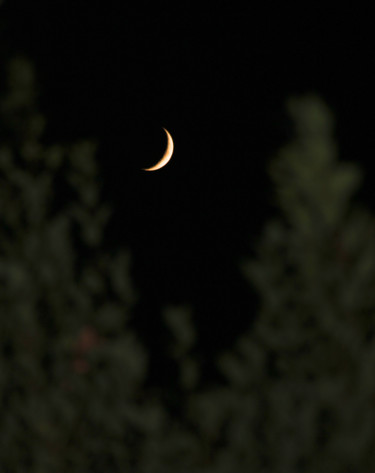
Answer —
296 390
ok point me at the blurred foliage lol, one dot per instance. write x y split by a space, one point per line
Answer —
71 371
301 387
298 390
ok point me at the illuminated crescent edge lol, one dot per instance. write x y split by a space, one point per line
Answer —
167 155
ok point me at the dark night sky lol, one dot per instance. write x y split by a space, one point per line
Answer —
217 79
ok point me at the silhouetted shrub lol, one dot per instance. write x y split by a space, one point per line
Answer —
71 371
300 392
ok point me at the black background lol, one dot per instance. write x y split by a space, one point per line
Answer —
217 78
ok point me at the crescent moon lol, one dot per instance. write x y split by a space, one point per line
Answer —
167 154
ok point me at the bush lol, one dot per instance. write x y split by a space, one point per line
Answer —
71 370
300 387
